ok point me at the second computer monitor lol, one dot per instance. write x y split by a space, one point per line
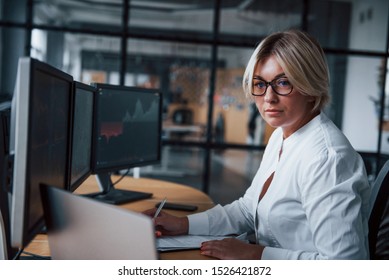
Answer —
82 121
127 130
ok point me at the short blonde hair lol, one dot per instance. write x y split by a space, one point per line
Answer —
302 60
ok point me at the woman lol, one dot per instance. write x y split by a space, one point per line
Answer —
309 197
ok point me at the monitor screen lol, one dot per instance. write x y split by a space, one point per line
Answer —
127 127
80 162
40 129
6 251
127 130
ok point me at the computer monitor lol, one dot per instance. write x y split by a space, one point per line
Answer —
40 129
127 133
6 251
82 121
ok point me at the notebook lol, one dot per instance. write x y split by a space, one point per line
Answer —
80 228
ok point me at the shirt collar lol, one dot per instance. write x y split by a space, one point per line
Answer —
314 123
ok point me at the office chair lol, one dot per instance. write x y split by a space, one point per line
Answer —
379 216
183 116
371 165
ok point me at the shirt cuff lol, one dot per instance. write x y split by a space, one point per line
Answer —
198 224
270 253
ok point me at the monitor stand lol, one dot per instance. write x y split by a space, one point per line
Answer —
109 194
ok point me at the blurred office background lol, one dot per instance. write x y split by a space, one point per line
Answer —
195 53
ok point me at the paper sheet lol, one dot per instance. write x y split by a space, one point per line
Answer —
185 242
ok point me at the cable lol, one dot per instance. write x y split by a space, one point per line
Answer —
35 256
121 178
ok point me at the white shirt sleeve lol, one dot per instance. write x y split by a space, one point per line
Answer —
234 218
332 195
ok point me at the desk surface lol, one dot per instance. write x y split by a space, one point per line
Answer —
173 192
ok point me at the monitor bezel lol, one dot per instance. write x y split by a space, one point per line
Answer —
72 186
21 115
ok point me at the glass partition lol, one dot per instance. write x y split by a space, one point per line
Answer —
170 47
88 58
181 72
236 118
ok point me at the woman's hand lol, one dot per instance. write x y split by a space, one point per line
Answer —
231 249
167 224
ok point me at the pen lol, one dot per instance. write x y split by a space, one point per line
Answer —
160 207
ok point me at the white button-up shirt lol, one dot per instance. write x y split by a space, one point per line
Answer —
316 206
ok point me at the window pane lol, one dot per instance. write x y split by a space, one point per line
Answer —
231 173
358 25
236 118
87 58
183 166
231 107
181 72
385 140
186 18
256 18
12 46
337 65
93 15
99 58
13 11
360 118
385 128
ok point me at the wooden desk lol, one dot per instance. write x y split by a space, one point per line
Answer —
173 192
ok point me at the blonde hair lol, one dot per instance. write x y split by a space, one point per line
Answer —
302 60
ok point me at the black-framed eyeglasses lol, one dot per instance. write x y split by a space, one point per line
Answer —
280 86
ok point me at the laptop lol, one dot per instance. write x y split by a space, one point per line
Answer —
80 228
